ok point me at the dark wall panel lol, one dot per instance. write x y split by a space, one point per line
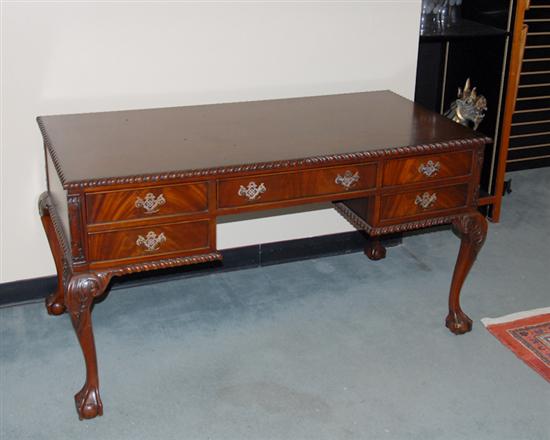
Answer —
429 75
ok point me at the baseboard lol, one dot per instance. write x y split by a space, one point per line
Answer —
36 289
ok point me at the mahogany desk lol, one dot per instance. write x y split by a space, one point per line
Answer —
141 190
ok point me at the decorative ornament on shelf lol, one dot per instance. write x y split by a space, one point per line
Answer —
468 108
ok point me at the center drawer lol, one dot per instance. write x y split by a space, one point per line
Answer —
251 190
149 202
150 241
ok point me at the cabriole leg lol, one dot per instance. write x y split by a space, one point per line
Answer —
472 229
81 291
54 301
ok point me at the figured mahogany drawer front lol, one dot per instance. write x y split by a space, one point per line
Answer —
428 167
286 186
152 241
147 202
416 203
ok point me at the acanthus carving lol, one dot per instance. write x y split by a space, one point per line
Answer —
472 228
80 293
81 289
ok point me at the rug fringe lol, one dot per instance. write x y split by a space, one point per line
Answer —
515 316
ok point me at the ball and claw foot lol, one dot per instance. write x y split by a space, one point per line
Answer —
458 322
53 306
88 403
375 250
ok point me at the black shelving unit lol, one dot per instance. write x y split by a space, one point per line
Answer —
529 145
477 47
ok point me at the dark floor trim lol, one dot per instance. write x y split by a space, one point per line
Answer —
233 259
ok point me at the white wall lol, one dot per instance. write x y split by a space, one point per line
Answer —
82 57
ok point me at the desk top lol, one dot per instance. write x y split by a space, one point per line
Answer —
148 145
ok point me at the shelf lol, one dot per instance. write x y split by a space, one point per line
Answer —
460 30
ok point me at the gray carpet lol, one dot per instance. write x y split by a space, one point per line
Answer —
333 348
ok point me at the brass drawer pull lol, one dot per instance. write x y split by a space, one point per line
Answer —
150 203
348 180
430 169
252 191
151 242
425 200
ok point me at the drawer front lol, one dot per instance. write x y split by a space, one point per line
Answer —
148 202
286 186
416 203
150 241
428 167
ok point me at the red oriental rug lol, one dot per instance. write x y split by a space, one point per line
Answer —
527 334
